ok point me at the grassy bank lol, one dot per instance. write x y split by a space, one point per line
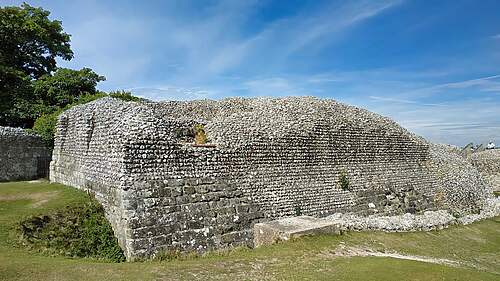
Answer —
472 250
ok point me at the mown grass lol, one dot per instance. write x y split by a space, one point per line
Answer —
476 246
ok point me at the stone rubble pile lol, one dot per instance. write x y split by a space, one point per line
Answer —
428 220
19 133
488 164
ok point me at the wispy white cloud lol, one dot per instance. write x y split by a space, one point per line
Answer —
468 83
211 52
484 84
305 31
202 42
185 50
458 123
387 99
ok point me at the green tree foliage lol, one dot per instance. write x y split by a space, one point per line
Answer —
83 99
31 41
65 86
33 91
123 95
17 105
29 44
45 125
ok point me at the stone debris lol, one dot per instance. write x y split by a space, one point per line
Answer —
488 164
491 209
23 155
428 220
265 159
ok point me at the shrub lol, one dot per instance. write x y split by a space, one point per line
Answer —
87 98
200 136
298 210
344 181
123 95
45 126
76 231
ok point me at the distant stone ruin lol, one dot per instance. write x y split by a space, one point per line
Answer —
488 164
263 159
23 155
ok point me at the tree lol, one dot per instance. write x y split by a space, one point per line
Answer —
29 44
31 41
15 95
45 125
65 86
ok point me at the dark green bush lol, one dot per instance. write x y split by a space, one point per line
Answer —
45 126
344 181
76 231
298 210
123 95
87 98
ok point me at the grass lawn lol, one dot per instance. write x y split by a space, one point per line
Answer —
474 250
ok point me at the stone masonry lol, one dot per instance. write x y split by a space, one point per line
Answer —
23 155
488 164
267 158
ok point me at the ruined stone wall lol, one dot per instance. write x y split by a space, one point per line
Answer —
488 164
89 154
23 155
268 158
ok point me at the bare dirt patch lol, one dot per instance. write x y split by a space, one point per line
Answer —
37 181
348 251
38 198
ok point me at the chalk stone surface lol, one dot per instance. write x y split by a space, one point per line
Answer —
488 164
266 158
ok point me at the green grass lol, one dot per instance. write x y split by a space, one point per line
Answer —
79 230
476 246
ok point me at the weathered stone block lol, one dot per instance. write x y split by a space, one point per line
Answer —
270 232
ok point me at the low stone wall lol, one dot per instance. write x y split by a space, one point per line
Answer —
428 220
23 155
270 232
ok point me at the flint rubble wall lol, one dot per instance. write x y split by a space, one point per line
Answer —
23 155
488 164
269 158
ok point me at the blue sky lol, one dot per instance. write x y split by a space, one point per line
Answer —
433 66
